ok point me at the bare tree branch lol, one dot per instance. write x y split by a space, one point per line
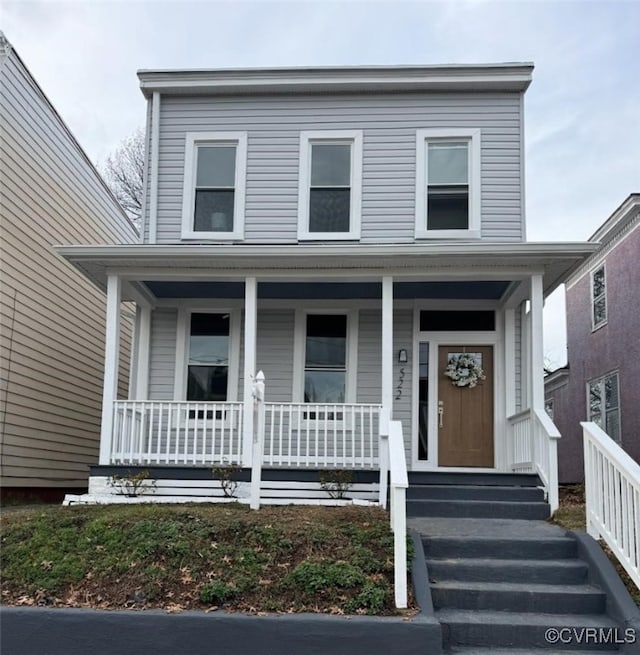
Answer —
124 173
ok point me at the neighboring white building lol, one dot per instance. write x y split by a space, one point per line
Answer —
51 321
349 232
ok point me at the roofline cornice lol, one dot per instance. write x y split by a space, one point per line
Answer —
449 77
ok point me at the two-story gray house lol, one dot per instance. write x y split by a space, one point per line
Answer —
356 234
603 327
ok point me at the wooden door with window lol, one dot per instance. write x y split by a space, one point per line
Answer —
465 415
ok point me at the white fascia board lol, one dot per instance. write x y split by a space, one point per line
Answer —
277 252
509 77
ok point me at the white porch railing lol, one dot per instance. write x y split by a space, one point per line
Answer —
612 489
534 449
321 435
150 432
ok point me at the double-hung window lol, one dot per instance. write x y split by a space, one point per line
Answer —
330 182
214 185
208 358
603 404
447 183
325 359
598 298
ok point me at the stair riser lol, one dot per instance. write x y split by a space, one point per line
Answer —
513 601
504 549
485 479
514 494
574 573
425 508
520 636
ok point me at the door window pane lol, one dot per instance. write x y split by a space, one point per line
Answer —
423 401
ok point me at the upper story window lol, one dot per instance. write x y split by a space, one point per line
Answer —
214 185
330 185
598 298
603 404
447 183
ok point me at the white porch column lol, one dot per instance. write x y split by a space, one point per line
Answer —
250 344
387 344
111 365
142 358
536 369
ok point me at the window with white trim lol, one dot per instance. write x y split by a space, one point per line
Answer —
598 298
208 357
447 183
330 185
603 404
325 359
214 185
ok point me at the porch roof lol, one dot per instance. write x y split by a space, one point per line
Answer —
351 262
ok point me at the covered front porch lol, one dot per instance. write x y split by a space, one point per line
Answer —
346 338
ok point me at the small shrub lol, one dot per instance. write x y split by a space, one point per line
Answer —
228 479
132 484
336 482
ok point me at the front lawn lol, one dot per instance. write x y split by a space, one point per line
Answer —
278 559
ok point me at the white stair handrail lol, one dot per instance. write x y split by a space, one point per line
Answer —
612 495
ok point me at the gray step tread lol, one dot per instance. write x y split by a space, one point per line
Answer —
486 562
488 617
477 503
472 488
472 650
525 588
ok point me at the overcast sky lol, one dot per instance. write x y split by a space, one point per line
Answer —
582 111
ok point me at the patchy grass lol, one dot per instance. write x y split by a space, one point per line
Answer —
571 515
279 559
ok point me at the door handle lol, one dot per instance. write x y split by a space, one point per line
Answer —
440 412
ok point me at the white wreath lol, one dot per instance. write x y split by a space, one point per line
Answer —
464 371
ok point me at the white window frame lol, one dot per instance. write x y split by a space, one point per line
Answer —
603 411
193 140
596 326
307 139
299 344
183 332
423 138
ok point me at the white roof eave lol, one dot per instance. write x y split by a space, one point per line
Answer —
554 260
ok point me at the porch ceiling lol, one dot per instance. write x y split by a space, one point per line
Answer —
464 290
421 262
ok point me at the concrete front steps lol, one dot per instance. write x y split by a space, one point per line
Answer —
500 575
476 495
498 586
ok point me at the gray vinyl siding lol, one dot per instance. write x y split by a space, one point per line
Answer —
162 354
275 353
51 319
389 124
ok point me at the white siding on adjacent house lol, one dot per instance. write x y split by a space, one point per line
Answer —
51 319
389 124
